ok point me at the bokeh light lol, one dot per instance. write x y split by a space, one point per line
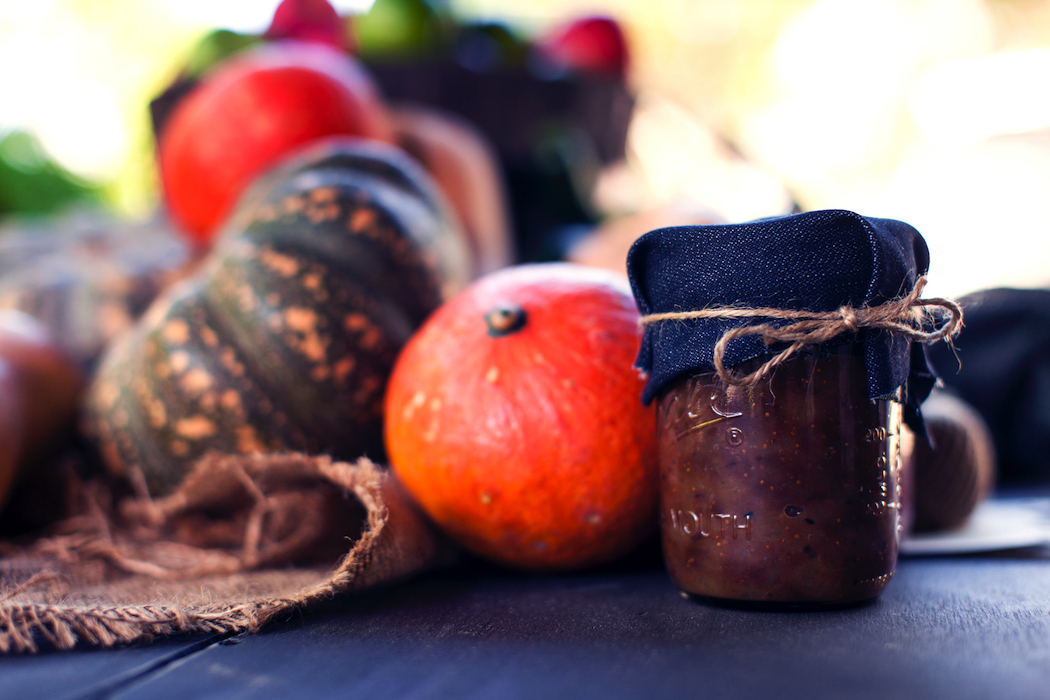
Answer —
931 111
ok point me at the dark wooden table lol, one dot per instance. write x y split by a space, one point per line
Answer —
952 627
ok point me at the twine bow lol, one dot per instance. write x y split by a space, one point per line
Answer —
901 316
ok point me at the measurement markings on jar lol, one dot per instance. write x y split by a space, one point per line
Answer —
879 499
711 524
876 434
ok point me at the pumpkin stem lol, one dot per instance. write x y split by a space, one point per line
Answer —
504 318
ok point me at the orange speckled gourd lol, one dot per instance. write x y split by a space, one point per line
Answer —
285 338
513 416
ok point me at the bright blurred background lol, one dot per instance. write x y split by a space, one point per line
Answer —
935 112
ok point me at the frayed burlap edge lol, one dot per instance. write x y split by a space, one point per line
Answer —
396 542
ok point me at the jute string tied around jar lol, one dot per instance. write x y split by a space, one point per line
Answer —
902 316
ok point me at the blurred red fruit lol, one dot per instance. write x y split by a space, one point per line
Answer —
309 20
248 113
592 44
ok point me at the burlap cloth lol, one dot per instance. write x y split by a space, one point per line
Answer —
243 540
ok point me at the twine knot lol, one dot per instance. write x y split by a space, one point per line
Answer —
904 316
849 318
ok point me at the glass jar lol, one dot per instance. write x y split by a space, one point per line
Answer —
785 492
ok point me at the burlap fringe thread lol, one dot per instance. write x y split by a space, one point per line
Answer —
45 592
903 316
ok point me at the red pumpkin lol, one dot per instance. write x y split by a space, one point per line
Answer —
251 111
514 418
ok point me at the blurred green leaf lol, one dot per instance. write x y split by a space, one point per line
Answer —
395 28
216 47
30 182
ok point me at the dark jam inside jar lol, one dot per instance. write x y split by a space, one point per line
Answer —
786 492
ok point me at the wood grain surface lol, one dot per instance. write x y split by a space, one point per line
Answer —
961 627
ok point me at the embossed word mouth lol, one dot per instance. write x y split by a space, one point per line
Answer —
701 525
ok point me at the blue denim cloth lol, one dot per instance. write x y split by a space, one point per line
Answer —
815 261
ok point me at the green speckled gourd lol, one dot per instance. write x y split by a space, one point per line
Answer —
285 338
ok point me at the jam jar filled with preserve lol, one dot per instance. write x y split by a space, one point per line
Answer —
782 492
784 354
